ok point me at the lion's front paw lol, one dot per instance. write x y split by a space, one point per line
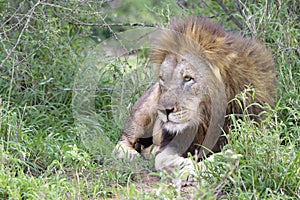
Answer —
190 173
125 152
186 175
188 180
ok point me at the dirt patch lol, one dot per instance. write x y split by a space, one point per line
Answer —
151 183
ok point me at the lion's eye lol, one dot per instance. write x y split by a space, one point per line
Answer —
187 78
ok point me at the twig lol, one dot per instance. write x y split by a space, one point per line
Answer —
238 5
113 24
55 6
9 54
78 184
249 25
21 34
232 18
78 22
14 14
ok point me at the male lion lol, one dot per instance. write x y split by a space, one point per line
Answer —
201 69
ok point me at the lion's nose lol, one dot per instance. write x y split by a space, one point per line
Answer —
169 110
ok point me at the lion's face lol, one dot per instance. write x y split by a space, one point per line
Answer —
184 92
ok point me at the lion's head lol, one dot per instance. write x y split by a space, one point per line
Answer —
187 84
201 69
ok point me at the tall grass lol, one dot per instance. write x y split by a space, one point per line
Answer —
43 48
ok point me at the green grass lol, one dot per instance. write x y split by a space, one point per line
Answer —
43 154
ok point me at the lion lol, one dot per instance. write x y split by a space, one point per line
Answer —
201 68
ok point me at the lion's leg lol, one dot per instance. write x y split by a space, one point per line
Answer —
139 124
157 138
171 159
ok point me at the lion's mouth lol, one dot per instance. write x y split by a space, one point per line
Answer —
174 128
174 122
179 117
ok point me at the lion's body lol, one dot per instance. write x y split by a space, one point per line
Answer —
201 69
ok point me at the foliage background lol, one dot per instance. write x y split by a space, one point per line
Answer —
43 46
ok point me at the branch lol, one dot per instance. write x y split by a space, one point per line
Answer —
241 7
232 18
13 15
31 11
135 24
78 22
